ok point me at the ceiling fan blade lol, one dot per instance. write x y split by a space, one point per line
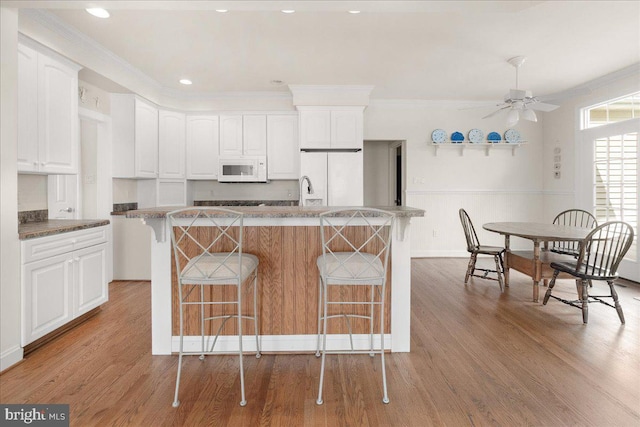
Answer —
542 106
497 111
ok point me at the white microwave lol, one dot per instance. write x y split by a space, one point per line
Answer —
242 169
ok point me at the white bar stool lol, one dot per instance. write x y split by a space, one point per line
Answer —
207 247
355 260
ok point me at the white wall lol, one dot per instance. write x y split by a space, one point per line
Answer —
497 187
32 192
89 168
10 324
561 130
274 190
376 173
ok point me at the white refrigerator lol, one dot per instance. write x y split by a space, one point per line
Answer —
336 177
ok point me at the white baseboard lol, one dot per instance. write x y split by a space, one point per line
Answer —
440 254
10 357
280 343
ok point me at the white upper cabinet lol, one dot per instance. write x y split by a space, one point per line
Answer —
346 128
202 146
243 135
331 127
254 135
135 137
315 129
171 144
231 135
283 154
47 113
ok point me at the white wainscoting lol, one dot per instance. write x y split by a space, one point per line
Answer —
439 233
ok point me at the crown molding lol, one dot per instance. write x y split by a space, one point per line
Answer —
345 95
430 103
87 44
592 85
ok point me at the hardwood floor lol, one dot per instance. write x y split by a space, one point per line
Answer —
478 357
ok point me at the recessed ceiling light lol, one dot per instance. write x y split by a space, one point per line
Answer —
186 81
354 11
222 10
288 11
98 12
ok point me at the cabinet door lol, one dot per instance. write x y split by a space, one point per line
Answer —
346 128
171 144
231 135
46 296
315 129
202 147
314 166
146 140
27 109
254 135
345 179
90 288
57 117
283 159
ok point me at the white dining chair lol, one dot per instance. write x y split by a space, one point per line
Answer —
207 248
355 254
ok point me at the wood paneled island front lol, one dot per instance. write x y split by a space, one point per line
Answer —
287 243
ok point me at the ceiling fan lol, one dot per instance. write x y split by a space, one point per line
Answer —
521 103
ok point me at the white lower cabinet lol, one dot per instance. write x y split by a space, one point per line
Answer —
63 277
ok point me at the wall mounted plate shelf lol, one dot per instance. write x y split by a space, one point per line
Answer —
487 146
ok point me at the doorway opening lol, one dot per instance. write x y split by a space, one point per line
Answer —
384 176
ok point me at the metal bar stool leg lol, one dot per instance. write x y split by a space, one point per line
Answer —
385 396
324 347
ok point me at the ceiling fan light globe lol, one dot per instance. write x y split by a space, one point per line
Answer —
513 117
529 115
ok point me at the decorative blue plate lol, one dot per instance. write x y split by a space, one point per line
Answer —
457 137
494 137
512 136
476 136
438 136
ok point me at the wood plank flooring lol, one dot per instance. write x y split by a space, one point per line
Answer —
478 357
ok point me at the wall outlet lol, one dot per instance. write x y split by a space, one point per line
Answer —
557 159
435 233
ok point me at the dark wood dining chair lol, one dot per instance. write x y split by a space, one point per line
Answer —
475 248
600 255
575 218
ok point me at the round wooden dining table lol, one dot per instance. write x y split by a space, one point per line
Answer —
536 263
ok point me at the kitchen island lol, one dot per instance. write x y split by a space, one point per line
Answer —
287 243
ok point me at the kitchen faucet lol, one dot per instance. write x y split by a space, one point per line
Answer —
309 188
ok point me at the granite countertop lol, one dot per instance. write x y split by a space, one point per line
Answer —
278 211
50 227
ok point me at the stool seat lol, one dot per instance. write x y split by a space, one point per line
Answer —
218 268
350 266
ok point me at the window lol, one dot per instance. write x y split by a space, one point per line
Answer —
616 180
612 111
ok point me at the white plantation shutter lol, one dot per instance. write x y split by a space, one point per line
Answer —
616 182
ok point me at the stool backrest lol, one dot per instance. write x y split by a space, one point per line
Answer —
356 243
207 243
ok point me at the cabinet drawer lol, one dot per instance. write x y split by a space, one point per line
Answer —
44 247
